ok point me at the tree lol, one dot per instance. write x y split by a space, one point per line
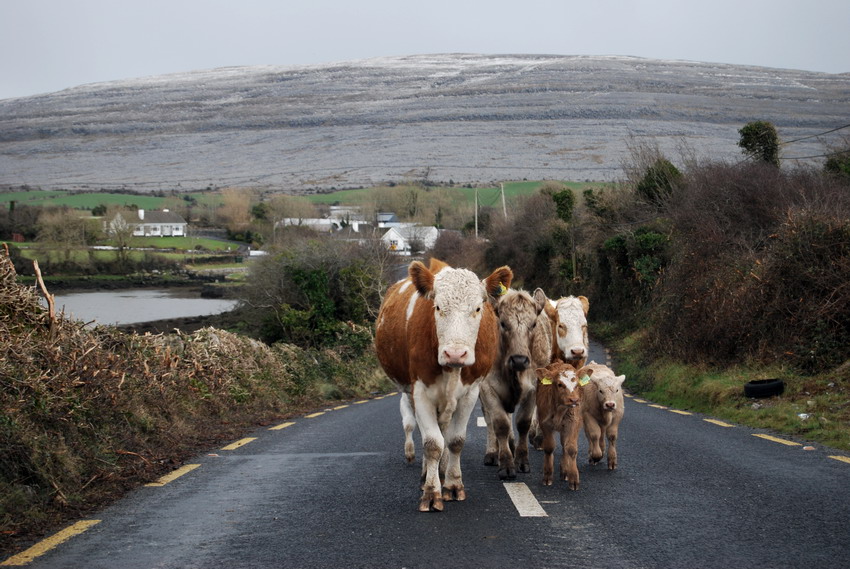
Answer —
63 229
759 140
838 163
658 181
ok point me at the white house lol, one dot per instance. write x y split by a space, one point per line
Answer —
163 223
408 239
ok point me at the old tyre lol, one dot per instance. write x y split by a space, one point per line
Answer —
764 387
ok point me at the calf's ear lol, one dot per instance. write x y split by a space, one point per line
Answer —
422 278
585 304
588 371
499 281
620 379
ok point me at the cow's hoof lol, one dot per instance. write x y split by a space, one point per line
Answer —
524 467
454 494
431 502
547 481
507 474
612 466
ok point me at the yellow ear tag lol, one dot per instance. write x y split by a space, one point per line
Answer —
546 381
502 289
584 380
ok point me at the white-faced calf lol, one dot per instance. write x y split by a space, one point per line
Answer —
602 410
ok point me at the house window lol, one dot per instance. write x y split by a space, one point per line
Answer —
393 244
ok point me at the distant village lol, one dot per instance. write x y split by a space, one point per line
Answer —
399 237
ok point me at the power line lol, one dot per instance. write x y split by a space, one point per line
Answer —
814 136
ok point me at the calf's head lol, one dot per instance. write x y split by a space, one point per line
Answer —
572 328
563 384
518 313
608 388
459 302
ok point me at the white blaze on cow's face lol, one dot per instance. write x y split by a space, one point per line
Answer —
572 328
459 299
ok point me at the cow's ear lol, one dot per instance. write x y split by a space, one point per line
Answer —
540 300
588 371
541 372
499 281
551 312
422 278
435 265
585 304
620 379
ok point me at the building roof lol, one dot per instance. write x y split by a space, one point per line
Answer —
163 216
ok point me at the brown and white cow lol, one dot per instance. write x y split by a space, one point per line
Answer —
437 337
508 390
559 399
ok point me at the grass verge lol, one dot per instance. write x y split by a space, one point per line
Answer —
814 408
87 414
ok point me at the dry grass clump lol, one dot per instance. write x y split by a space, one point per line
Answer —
87 413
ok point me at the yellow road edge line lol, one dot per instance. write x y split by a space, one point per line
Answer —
636 400
680 412
841 458
718 423
658 406
49 543
628 394
777 440
173 475
363 401
312 415
282 426
239 443
338 407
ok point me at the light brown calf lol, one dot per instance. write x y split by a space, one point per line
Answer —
602 410
559 396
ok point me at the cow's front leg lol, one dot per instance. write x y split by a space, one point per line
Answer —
569 468
433 444
490 402
524 416
453 488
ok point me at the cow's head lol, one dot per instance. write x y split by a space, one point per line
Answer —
572 329
608 388
518 313
458 299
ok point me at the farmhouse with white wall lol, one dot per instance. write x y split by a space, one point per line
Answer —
163 223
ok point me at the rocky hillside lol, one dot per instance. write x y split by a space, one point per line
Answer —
461 118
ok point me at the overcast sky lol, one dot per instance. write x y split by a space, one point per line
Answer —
49 45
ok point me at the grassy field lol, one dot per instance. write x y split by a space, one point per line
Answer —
487 196
90 200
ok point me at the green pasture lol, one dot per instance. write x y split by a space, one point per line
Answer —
90 200
487 196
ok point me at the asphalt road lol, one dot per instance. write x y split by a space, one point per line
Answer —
333 490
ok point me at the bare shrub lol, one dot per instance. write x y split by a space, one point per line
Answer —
759 267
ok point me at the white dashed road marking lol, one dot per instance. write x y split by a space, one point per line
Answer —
524 501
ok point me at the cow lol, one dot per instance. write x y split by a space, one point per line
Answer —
559 398
602 410
524 344
437 336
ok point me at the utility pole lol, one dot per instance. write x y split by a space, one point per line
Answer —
504 209
476 213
